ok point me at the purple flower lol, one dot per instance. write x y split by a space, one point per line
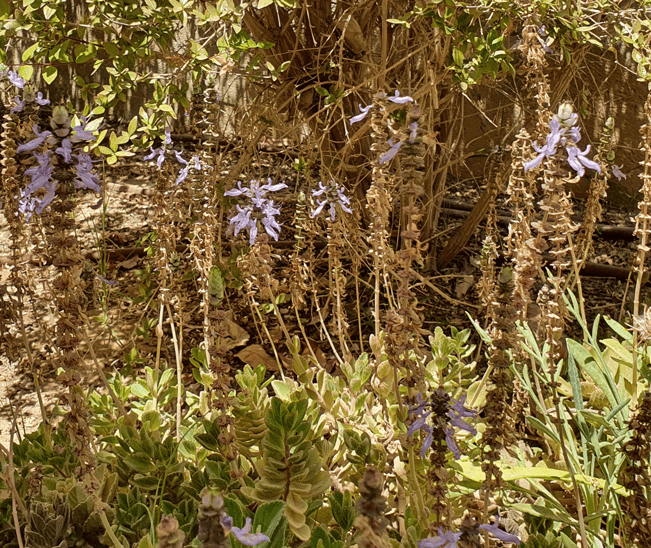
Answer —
35 143
333 195
362 115
577 160
617 172
261 209
271 226
65 151
194 163
254 191
15 79
440 415
80 132
28 98
565 133
244 535
443 540
160 152
85 176
19 105
391 153
400 100
39 99
105 281
498 533
457 411
40 174
469 528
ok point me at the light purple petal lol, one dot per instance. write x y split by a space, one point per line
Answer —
573 159
236 191
49 196
15 79
418 423
499 534
65 151
19 105
617 172
247 538
391 153
319 208
427 443
34 143
80 132
152 155
179 158
533 163
168 136
227 522
452 444
322 189
183 174
161 157
253 231
242 219
400 100
362 115
270 187
590 164
443 540
39 99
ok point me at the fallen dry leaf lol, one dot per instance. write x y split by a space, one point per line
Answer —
255 355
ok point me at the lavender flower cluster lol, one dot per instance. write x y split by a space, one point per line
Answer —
333 196
260 208
394 145
564 133
448 539
446 413
67 141
160 155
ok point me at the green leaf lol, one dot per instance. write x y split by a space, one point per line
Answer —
49 74
282 390
269 519
133 125
575 381
85 53
5 9
264 3
111 49
29 52
168 109
589 365
235 510
147 483
458 57
140 463
343 510
26 71
619 329
543 512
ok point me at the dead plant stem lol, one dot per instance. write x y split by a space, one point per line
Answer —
179 369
